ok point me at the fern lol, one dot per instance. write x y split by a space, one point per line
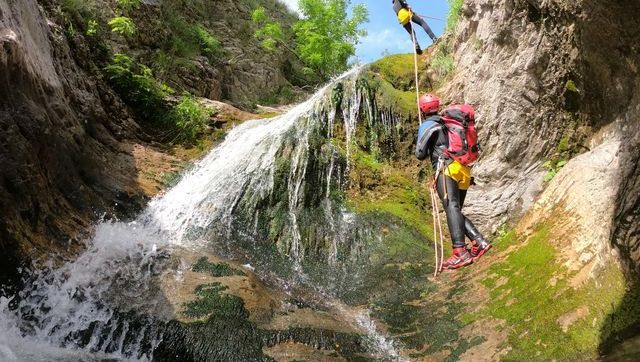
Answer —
123 25
92 27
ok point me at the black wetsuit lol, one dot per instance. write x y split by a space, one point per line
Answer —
433 144
402 4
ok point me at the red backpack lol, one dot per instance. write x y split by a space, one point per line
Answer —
459 120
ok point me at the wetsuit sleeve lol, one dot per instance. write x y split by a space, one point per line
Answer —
426 142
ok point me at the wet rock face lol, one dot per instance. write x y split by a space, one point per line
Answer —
536 70
61 162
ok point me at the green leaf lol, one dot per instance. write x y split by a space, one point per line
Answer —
550 175
92 27
123 25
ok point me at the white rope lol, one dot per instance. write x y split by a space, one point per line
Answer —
435 230
415 66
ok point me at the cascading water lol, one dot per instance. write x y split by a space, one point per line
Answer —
86 305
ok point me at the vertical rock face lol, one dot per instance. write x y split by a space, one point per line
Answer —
61 160
537 70
514 59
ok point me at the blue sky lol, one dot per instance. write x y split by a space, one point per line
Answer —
384 32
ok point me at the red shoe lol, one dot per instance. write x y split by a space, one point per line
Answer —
478 248
460 257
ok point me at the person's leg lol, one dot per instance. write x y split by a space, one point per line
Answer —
455 221
409 30
453 208
420 21
479 245
470 230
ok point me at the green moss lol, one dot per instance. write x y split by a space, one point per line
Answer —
212 301
571 86
398 70
398 195
552 167
523 295
215 269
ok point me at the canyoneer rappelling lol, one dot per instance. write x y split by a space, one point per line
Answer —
449 140
406 16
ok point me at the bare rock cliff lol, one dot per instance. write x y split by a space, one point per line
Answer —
62 159
550 76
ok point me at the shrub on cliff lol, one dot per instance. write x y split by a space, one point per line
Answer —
137 87
123 25
189 119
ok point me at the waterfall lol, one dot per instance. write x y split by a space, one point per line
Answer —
86 304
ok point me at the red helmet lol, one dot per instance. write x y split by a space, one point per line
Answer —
429 103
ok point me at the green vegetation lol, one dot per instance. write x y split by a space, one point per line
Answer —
92 28
170 179
190 118
397 69
571 86
123 25
135 83
212 301
398 196
531 291
209 44
270 32
82 7
188 39
455 10
324 39
442 62
203 265
127 5
79 14
148 97
552 167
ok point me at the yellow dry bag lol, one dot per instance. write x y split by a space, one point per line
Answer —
404 16
460 173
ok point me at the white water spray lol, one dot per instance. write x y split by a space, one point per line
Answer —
83 299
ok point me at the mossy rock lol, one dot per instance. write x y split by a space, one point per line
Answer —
203 265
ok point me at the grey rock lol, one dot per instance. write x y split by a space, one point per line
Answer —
518 81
